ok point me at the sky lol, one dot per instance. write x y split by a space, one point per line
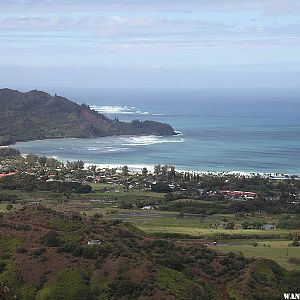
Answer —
150 43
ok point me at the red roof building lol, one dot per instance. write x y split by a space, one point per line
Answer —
7 174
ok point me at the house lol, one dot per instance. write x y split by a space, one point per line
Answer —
7 174
239 194
35 203
147 207
268 227
94 242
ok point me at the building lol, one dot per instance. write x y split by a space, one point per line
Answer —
94 242
7 174
239 194
147 207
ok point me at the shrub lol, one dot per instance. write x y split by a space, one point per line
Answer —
9 207
122 287
39 252
9 152
295 244
294 260
22 250
51 239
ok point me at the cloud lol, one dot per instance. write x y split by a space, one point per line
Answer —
269 7
157 33
138 28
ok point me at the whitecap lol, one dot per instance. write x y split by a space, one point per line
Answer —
117 109
148 140
117 149
93 148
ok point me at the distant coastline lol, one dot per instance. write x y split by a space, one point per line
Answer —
36 115
137 168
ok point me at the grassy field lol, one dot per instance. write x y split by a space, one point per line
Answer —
3 207
272 244
194 227
276 250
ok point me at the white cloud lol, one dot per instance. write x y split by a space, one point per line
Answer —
270 7
154 32
132 29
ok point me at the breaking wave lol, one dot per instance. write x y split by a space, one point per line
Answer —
120 110
149 140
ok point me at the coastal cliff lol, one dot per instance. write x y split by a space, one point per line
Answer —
37 115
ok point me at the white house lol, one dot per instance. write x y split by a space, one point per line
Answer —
94 243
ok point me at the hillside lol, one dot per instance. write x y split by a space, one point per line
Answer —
45 255
38 115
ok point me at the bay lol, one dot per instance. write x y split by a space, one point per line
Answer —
219 131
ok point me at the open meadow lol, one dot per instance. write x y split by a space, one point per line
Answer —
145 210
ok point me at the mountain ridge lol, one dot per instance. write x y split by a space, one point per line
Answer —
36 115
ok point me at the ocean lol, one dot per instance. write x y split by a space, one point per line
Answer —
220 131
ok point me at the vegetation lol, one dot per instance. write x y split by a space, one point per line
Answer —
9 152
125 265
158 233
56 117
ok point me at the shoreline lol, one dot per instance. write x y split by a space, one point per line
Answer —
137 169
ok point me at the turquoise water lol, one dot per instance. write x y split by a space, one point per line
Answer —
219 131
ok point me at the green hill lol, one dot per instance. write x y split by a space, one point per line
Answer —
45 255
38 115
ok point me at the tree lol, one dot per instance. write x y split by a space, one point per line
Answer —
245 225
9 152
295 244
4 291
172 172
9 207
164 170
31 158
51 239
161 187
144 171
79 165
157 169
53 163
124 170
93 168
75 165
230 225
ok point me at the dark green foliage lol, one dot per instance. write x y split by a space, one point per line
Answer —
9 152
122 287
71 284
7 197
91 252
56 117
295 244
30 183
289 223
174 262
39 252
161 187
51 239
291 282
2 266
9 207
164 244
294 260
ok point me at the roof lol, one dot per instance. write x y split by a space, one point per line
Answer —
8 174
